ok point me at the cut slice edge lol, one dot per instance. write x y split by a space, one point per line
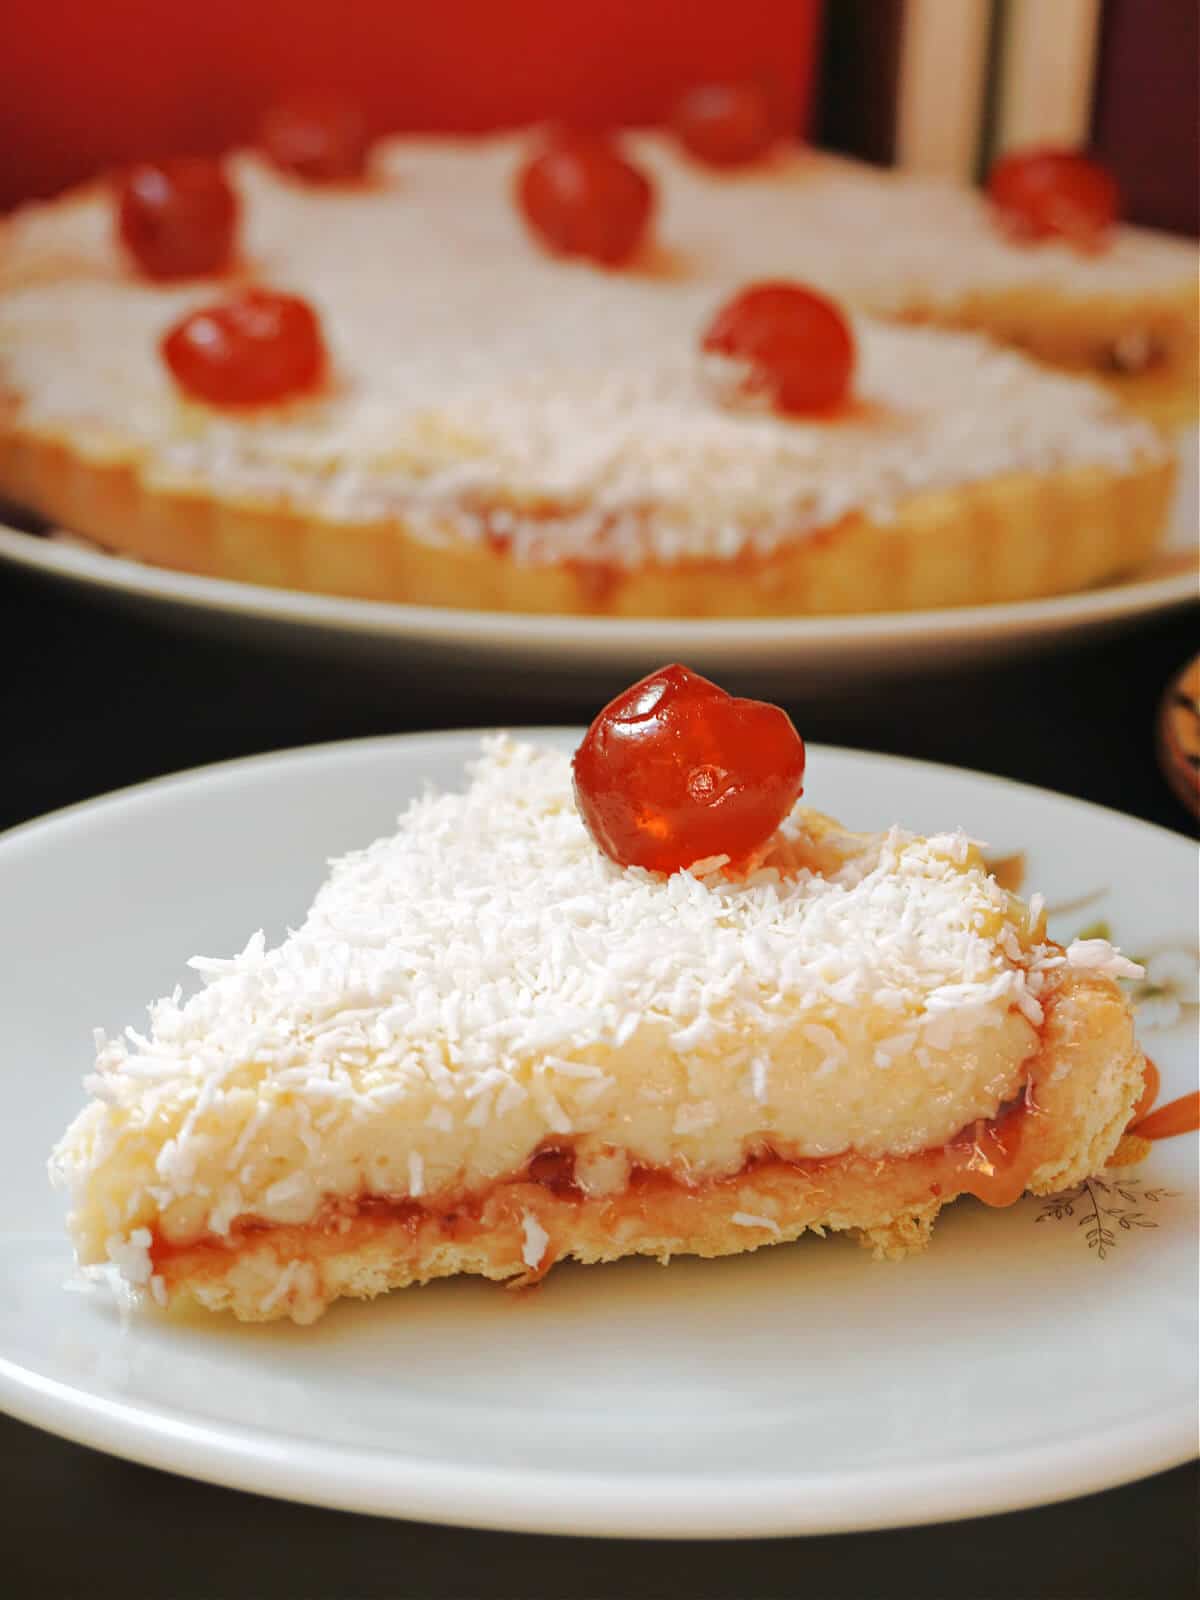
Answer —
1083 1084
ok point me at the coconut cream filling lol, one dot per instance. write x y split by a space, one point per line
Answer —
696 1117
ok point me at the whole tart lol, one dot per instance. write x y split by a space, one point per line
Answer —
505 429
490 1047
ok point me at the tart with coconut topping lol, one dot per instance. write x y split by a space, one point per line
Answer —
493 1045
549 377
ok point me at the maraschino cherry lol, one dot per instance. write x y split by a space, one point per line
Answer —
177 218
796 345
675 771
251 350
320 138
582 197
1041 194
725 124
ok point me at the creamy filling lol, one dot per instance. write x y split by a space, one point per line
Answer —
687 1119
819 1091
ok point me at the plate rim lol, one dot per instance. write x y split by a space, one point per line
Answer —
548 1501
600 637
545 1500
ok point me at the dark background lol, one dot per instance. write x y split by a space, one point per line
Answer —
94 698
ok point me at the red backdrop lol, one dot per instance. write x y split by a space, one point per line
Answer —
85 84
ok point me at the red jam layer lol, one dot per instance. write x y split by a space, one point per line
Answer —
989 1159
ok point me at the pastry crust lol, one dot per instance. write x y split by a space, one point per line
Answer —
1002 539
1083 1084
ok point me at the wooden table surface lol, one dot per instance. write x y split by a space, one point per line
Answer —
92 699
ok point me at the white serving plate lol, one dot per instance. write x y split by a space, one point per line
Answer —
803 1389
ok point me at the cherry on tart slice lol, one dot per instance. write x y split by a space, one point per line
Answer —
255 349
581 197
1042 194
796 345
675 771
177 218
725 124
320 138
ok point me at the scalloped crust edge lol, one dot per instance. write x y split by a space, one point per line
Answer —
1011 538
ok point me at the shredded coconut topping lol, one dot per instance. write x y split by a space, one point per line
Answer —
486 389
486 981
748 1219
1097 955
534 1240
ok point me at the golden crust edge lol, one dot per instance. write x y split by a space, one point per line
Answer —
1011 538
1086 1078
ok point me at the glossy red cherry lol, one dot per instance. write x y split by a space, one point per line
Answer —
796 345
1039 194
252 350
320 138
177 218
583 198
725 124
675 770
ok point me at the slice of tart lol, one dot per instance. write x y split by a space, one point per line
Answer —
473 418
491 1047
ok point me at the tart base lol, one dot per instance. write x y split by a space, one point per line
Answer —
1083 1085
1005 539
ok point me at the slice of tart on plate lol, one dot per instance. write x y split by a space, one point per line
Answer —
596 384
637 1003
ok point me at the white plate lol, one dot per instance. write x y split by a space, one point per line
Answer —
802 1389
558 656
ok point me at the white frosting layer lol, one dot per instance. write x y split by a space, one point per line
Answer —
486 982
476 372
